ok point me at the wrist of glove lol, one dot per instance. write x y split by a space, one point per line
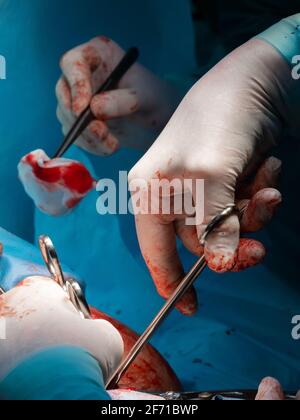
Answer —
38 315
284 37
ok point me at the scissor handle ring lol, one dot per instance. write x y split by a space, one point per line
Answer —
77 298
231 209
70 286
51 260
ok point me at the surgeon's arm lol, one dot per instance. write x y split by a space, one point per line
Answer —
56 373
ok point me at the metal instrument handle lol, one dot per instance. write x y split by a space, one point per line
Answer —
184 286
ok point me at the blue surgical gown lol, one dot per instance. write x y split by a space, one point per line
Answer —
242 331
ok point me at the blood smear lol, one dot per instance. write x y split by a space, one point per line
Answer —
72 175
55 186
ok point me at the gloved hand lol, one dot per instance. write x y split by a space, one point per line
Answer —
56 186
38 315
131 115
271 390
222 133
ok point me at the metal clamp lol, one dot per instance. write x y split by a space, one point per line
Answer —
243 395
70 285
217 221
183 287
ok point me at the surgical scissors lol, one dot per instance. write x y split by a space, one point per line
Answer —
70 285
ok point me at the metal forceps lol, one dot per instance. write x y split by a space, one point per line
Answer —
184 286
69 285
242 395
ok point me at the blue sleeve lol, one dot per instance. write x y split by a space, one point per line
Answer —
285 37
60 373
20 260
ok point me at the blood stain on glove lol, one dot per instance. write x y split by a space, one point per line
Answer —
5 310
188 303
150 372
249 254
56 186
220 263
270 390
1 249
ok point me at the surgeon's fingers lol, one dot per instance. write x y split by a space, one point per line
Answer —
115 104
249 254
63 94
189 237
270 390
158 245
64 109
221 247
65 117
77 71
96 139
267 176
260 210
100 140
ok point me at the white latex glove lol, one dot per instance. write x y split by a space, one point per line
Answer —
271 390
56 186
131 115
222 132
39 315
128 395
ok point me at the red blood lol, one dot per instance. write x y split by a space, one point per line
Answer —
73 176
150 372
6 310
50 175
161 276
24 283
77 178
104 39
91 56
73 202
249 254
220 263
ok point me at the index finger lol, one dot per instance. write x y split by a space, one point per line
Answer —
158 245
77 70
